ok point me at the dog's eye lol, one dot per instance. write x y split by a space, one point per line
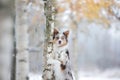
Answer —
57 37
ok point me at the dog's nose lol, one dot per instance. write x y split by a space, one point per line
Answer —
59 42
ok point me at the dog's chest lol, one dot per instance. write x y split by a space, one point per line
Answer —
62 55
65 69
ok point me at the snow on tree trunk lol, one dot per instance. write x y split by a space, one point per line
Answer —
21 31
49 7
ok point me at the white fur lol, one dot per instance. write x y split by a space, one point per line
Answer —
56 67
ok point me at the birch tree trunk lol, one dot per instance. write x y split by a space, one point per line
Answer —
21 31
75 43
6 38
49 8
6 45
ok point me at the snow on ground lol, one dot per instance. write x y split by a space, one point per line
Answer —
113 74
97 78
34 76
89 75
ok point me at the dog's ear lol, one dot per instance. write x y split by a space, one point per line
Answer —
55 31
66 33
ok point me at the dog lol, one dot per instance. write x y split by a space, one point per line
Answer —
61 62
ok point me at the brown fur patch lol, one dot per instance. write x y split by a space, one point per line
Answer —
66 33
55 32
63 67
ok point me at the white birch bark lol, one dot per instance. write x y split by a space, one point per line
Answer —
75 43
6 38
49 7
6 47
22 63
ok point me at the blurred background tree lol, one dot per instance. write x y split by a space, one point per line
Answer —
6 37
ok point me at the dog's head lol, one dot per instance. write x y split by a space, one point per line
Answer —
60 38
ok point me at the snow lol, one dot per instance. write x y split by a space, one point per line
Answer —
38 77
97 78
110 74
34 76
113 74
